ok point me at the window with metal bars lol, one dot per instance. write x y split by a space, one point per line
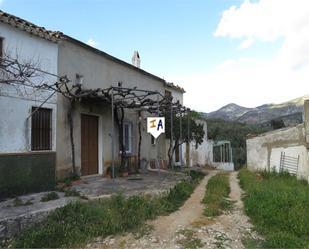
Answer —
1 47
41 129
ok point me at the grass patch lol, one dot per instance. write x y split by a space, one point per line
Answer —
67 181
278 207
180 193
202 222
19 202
49 196
75 224
189 239
251 243
217 192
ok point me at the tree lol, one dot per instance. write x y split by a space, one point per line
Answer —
277 124
190 131
236 133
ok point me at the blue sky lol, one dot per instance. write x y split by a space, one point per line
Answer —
180 40
171 36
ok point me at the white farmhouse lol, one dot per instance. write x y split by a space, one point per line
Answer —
27 142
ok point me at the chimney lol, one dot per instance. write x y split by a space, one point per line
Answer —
136 60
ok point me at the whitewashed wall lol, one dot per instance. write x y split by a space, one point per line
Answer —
202 155
101 71
177 95
15 106
264 151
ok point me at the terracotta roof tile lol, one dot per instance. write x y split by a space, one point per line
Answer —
176 87
56 36
29 27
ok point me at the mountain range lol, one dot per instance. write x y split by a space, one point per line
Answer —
291 112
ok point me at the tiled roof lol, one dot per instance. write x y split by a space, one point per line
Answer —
176 87
56 36
29 27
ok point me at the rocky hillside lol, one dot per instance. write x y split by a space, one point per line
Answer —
229 112
290 112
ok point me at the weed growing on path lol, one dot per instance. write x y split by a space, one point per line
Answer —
77 223
217 192
49 196
189 240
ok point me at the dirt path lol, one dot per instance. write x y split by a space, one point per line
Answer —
188 228
166 226
230 228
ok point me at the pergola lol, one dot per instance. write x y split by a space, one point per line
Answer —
121 98
28 75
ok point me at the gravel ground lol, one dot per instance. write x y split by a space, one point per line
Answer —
188 228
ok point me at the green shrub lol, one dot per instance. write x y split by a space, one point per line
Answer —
76 223
19 202
277 204
69 179
196 176
49 196
217 190
236 133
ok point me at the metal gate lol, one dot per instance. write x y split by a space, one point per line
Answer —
289 163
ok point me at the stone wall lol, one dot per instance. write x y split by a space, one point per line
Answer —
264 151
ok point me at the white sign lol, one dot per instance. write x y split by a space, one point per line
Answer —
155 126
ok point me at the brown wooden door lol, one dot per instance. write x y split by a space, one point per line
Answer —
89 144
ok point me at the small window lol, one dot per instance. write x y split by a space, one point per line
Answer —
153 140
127 137
168 93
41 129
79 79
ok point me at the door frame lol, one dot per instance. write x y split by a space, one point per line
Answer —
100 141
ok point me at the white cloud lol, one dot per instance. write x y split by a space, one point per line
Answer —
268 20
91 42
251 81
246 43
243 81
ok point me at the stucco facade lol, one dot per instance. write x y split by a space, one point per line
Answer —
264 151
100 70
201 155
16 102
24 167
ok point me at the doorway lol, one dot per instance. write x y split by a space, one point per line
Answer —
89 144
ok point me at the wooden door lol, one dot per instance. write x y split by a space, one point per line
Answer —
89 144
